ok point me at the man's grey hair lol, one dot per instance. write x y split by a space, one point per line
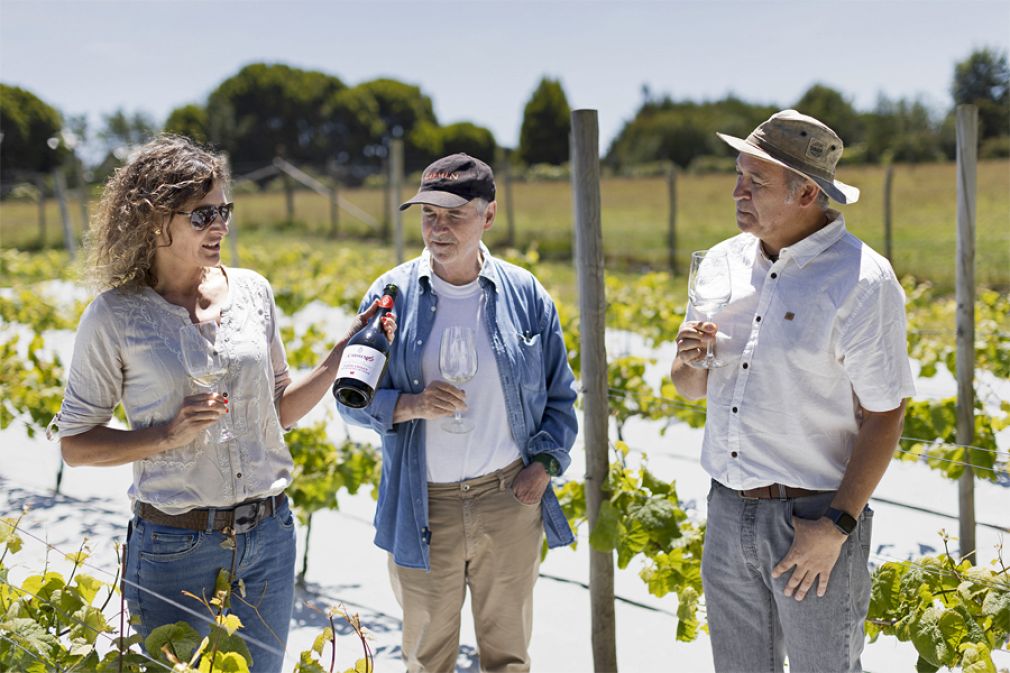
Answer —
480 204
796 182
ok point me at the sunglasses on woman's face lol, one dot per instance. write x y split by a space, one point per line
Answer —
203 217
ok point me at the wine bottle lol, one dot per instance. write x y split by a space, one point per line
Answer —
365 356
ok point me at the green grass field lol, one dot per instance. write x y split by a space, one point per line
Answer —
635 219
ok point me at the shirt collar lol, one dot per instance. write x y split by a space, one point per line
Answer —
488 270
802 252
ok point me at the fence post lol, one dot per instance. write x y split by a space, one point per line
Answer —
396 187
387 194
60 182
505 166
83 195
40 184
671 240
888 239
592 308
334 198
289 196
967 154
232 228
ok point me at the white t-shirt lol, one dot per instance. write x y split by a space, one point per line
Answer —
807 339
454 457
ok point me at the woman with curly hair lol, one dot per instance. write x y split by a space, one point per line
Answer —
201 503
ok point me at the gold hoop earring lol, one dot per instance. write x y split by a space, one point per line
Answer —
157 232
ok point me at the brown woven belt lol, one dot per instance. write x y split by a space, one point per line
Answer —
241 518
775 492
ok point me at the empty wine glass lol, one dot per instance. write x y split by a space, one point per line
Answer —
205 366
457 359
709 289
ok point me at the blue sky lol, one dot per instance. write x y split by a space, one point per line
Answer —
479 61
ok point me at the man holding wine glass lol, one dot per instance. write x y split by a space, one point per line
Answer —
476 413
805 397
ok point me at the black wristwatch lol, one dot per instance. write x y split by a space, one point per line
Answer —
843 521
549 462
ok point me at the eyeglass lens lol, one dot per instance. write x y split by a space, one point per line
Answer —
203 217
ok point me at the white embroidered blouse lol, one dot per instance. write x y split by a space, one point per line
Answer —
127 349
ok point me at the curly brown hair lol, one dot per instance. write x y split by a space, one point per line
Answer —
160 178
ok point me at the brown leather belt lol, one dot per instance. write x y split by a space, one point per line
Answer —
775 492
241 518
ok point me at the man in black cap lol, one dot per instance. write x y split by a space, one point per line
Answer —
465 502
805 414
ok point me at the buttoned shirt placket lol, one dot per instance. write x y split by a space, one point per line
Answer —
767 292
234 455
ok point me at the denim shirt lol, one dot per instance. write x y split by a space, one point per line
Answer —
537 382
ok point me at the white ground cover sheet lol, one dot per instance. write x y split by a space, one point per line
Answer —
346 568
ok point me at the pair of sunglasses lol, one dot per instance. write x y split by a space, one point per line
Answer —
203 217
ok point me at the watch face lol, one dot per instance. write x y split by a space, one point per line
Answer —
844 521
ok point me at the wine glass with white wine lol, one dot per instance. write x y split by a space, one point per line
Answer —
457 359
205 366
709 289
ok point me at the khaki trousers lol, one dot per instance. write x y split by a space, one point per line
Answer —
483 538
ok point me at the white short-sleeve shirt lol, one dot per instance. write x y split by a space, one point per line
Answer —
808 340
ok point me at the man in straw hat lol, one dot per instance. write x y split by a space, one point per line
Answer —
805 415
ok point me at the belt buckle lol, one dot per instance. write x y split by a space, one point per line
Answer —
245 517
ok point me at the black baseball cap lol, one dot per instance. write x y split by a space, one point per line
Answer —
453 181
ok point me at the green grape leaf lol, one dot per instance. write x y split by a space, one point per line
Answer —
997 606
885 591
976 658
224 662
9 536
322 640
307 664
687 620
180 638
659 517
89 623
87 586
31 635
230 623
937 635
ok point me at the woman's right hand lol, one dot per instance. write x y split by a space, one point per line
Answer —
196 414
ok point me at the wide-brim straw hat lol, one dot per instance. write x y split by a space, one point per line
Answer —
803 145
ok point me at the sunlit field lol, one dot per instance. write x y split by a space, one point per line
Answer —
635 219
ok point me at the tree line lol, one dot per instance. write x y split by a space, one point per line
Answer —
314 119
901 130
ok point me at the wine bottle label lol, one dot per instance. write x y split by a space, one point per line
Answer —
363 363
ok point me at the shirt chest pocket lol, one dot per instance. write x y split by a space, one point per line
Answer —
804 327
530 361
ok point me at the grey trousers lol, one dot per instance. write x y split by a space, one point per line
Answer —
752 624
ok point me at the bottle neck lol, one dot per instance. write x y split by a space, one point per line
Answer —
377 319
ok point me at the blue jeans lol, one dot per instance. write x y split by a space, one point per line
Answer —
752 624
163 561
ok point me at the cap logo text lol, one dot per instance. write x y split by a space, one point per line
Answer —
434 175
